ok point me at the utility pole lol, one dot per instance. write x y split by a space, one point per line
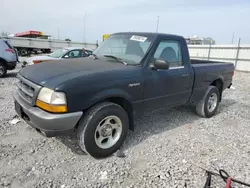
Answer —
84 29
158 18
58 33
233 38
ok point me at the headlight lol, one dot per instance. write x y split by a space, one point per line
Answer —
52 101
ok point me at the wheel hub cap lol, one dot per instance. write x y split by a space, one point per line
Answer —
108 132
212 102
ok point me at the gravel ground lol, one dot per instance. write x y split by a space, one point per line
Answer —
165 149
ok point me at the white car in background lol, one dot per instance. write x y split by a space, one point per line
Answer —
66 53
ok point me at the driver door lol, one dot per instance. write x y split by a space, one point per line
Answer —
166 88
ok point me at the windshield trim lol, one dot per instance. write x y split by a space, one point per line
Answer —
148 50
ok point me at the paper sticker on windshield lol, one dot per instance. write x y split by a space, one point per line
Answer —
138 38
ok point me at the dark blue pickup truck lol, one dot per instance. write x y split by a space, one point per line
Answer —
128 74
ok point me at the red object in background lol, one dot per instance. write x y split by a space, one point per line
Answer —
28 33
228 185
219 180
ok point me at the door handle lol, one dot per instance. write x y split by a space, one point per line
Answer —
183 75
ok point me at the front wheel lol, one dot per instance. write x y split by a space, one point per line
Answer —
209 104
103 129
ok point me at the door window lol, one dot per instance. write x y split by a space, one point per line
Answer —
169 51
85 54
75 54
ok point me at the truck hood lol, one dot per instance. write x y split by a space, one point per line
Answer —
52 73
29 60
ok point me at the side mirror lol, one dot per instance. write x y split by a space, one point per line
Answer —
66 56
160 64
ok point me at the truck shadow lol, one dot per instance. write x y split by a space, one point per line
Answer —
167 119
11 75
159 121
153 123
72 143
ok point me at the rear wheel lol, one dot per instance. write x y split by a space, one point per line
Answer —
103 129
3 69
209 104
23 52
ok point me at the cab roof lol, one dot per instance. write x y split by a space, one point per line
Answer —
153 34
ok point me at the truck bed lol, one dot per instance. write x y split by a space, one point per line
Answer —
208 71
212 67
199 61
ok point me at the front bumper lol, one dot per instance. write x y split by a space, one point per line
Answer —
48 124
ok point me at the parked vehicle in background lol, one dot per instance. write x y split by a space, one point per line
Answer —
65 53
23 51
34 42
8 57
129 74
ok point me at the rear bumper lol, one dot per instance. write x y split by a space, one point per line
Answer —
48 124
11 65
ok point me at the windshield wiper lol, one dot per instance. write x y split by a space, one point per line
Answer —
116 58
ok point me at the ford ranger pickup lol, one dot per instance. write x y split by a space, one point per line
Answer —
129 74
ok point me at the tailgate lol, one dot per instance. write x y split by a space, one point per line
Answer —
10 52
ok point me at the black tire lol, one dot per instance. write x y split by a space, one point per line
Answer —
3 70
23 52
86 131
202 106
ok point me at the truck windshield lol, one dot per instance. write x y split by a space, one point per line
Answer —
58 53
130 48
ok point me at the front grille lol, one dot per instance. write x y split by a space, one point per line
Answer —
27 90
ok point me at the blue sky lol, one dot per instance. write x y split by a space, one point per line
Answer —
216 19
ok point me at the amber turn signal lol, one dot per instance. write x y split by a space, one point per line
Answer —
51 108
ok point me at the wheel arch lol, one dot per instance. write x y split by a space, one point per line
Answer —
126 105
219 84
116 96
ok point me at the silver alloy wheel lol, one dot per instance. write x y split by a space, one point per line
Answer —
1 70
108 132
212 102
